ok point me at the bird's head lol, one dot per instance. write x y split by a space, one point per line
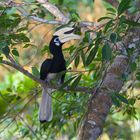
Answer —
60 37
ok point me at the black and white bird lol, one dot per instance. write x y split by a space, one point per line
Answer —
51 67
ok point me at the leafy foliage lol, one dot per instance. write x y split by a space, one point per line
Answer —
89 59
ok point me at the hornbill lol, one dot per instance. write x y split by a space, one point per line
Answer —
51 67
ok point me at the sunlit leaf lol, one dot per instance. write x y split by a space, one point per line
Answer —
108 25
121 98
77 60
115 100
111 10
83 57
1 58
35 72
76 81
104 18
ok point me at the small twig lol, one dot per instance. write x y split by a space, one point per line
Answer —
11 59
78 71
34 27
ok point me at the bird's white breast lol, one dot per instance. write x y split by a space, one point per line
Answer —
51 76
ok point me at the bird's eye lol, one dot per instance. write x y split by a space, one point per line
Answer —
56 40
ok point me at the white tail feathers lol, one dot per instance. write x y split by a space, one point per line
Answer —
45 111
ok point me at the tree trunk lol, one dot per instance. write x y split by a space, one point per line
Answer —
100 103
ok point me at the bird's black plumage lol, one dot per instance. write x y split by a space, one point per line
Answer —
56 64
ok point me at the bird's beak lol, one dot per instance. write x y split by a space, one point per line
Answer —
66 34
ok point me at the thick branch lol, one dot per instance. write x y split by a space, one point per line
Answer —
55 87
25 72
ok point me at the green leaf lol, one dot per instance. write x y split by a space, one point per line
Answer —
133 66
15 52
108 25
132 101
74 16
77 60
93 53
22 29
20 37
6 50
138 76
115 101
45 49
106 52
113 37
132 23
112 14
121 98
5 99
26 46
86 37
3 43
122 19
66 83
123 6
1 58
35 72
3 107
111 10
83 58
76 81
15 15
60 2
103 18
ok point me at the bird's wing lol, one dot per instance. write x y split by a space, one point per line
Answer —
45 68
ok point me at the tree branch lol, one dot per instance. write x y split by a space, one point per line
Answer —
62 19
55 87
54 11
25 72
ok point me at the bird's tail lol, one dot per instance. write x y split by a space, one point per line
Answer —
45 111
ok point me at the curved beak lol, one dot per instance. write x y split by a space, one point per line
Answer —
66 34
